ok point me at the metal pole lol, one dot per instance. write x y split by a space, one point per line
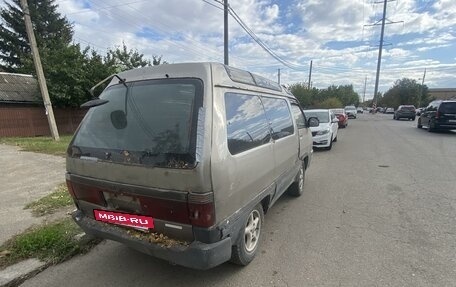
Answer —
39 71
310 75
225 35
364 94
421 89
377 77
278 76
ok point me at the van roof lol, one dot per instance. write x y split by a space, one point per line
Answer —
219 74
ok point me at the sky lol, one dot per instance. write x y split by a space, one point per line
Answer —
340 37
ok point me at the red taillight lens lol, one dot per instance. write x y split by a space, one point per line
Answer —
201 209
86 192
437 114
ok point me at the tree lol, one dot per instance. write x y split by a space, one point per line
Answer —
330 103
52 31
405 92
123 59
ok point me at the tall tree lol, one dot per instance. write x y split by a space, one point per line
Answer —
52 31
405 92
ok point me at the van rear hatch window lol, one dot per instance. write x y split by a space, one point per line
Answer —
148 123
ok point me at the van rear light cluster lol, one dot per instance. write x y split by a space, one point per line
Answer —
201 209
85 192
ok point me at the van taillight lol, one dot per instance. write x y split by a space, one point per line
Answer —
201 209
437 114
85 192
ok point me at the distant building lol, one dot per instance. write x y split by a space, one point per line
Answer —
22 111
443 93
19 89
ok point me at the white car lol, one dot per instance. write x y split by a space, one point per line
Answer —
351 111
326 132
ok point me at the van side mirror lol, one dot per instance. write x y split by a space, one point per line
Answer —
336 120
313 122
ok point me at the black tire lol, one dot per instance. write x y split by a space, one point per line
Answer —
418 124
241 254
394 117
297 187
412 118
430 128
335 139
330 144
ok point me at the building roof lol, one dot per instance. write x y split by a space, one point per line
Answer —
443 93
19 88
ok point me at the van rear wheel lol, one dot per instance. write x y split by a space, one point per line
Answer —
246 246
297 187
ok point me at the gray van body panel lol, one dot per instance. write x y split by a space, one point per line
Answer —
238 179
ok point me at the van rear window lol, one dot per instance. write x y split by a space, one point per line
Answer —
150 122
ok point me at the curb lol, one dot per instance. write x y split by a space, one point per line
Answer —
17 273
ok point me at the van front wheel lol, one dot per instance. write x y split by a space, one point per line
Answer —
297 187
247 243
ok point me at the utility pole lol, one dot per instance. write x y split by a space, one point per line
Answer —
310 75
380 48
364 94
225 34
278 76
421 89
39 71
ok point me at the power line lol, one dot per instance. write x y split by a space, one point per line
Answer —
261 43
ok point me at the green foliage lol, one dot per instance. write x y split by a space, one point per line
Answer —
332 97
51 202
51 30
45 145
70 71
405 92
330 103
123 59
53 243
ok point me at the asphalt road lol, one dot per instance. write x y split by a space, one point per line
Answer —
379 210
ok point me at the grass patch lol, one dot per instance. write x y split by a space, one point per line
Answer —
52 243
40 144
51 202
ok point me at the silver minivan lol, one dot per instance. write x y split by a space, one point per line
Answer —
181 161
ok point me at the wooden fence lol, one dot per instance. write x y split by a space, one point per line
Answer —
28 121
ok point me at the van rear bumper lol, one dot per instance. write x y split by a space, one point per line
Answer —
196 255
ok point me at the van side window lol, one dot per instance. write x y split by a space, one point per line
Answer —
279 116
298 116
246 123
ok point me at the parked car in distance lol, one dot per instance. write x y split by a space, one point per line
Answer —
326 132
359 110
351 111
405 111
166 150
389 111
341 116
419 110
438 115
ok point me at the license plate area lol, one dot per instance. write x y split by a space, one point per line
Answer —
125 219
122 203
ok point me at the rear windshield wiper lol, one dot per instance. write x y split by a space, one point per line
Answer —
96 101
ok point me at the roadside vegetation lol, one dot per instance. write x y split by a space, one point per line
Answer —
51 243
52 202
40 144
